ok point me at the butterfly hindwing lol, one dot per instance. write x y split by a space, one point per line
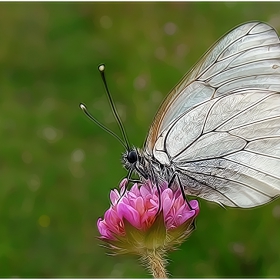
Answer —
238 160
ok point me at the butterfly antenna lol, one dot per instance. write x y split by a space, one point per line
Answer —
101 69
84 108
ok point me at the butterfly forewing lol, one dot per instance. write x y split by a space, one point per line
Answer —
219 128
225 68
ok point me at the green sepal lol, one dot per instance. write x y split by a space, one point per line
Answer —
178 235
155 236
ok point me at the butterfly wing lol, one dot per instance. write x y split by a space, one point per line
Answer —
234 62
231 154
220 126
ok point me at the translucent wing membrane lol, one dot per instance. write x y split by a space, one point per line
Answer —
238 160
220 126
247 57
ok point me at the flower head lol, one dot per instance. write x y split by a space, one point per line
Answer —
146 218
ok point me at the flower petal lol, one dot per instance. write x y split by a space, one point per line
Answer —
114 196
103 229
139 205
129 213
123 183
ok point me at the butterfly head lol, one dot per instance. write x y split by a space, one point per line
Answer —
134 160
130 158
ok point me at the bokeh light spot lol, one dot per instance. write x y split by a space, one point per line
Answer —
238 248
275 21
106 22
78 155
26 157
34 183
276 212
51 134
170 28
140 83
44 221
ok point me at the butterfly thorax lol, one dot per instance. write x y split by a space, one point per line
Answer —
146 167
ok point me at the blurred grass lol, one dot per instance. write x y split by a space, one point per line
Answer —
57 168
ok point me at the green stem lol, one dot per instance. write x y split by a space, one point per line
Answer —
155 262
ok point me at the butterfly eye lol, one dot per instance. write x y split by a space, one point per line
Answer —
132 157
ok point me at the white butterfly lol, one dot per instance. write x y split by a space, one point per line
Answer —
217 134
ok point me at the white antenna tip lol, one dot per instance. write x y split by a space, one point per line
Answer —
101 67
83 107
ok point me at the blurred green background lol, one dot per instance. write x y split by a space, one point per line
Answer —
57 167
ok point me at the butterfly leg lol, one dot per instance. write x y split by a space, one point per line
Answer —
159 199
126 185
135 181
129 180
122 194
174 177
